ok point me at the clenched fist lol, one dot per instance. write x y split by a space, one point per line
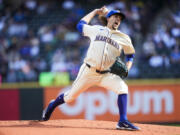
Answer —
102 11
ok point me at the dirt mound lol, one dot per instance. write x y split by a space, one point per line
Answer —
79 127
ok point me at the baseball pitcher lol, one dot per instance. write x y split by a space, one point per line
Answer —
102 65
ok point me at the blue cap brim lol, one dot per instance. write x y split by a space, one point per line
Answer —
113 12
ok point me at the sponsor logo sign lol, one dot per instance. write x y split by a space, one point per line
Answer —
148 103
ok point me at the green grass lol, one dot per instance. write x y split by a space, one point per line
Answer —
178 125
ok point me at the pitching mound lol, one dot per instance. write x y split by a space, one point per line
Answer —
79 127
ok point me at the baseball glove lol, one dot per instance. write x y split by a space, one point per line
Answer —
119 68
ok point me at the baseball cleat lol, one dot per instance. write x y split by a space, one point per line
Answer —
48 111
126 125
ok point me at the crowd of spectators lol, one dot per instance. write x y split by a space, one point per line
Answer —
161 49
41 36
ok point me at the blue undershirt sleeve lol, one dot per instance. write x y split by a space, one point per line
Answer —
130 57
80 25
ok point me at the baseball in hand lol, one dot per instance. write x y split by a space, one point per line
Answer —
105 10
102 11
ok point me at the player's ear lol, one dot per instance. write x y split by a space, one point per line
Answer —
108 19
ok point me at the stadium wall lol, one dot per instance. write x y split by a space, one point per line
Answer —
149 101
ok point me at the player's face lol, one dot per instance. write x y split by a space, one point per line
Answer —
114 22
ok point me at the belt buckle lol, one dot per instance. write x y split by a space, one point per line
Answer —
98 71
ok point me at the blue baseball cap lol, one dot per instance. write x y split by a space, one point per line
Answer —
112 12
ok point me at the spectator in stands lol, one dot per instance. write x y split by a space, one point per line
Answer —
175 55
58 62
159 61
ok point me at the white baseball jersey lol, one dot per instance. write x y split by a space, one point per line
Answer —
105 46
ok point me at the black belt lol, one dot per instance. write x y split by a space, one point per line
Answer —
98 71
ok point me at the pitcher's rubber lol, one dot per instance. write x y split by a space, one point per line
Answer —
79 127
